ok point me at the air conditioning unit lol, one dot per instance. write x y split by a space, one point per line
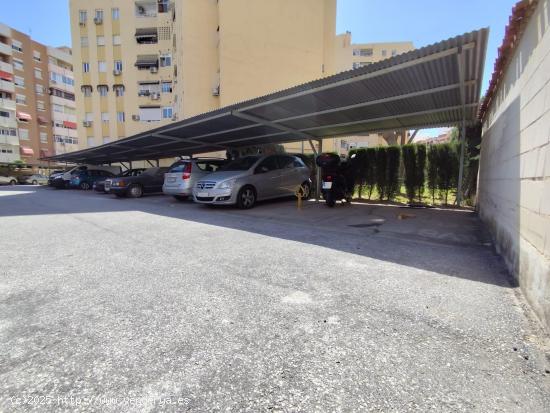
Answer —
216 91
154 69
135 117
82 23
98 20
155 96
87 123
117 72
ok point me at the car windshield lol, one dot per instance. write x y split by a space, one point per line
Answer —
241 164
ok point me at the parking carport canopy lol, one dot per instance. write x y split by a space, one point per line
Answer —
437 85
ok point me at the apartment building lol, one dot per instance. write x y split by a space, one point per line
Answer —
26 98
62 100
144 63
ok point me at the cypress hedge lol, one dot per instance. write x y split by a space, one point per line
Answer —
393 155
409 162
381 164
433 170
420 170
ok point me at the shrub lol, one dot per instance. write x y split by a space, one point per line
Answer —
433 170
370 171
380 171
420 170
447 170
393 155
409 162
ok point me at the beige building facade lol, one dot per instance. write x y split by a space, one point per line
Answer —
141 64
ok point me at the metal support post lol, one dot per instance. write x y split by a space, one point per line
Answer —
318 177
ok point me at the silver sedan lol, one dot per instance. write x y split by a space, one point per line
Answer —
253 178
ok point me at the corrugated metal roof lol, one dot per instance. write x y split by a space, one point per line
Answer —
431 86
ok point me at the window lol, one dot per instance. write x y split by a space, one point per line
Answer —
37 73
116 40
89 117
394 52
102 89
119 90
100 40
99 14
18 64
101 66
17 45
163 6
90 141
57 108
357 65
36 56
120 117
166 87
24 134
167 112
268 164
19 81
84 41
384 52
115 13
105 117
118 65
150 114
85 67
165 60
39 89
82 16
4 114
362 52
43 137
8 132
21 99
40 105
86 90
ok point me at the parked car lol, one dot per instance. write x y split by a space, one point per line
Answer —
105 185
35 179
8 180
67 175
86 178
149 181
183 175
252 178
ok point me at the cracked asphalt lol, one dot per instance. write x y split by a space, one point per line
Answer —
153 305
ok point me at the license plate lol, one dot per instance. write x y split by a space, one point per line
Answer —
327 185
171 180
202 194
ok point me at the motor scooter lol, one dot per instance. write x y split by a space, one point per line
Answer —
337 178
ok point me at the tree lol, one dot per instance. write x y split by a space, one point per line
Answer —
380 171
433 170
447 169
393 155
420 169
370 171
409 162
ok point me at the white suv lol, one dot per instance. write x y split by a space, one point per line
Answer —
184 174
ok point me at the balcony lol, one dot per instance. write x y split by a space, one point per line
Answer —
9 140
146 35
6 67
5 49
7 104
7 86
8 122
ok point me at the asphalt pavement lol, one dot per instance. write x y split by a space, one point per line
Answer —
153 305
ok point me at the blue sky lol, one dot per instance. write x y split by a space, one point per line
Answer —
421 21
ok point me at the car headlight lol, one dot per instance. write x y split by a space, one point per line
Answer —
227 184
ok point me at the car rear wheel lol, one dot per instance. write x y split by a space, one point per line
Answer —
135 191
35 182
246 197
13 182
330 201
181 197
85 186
